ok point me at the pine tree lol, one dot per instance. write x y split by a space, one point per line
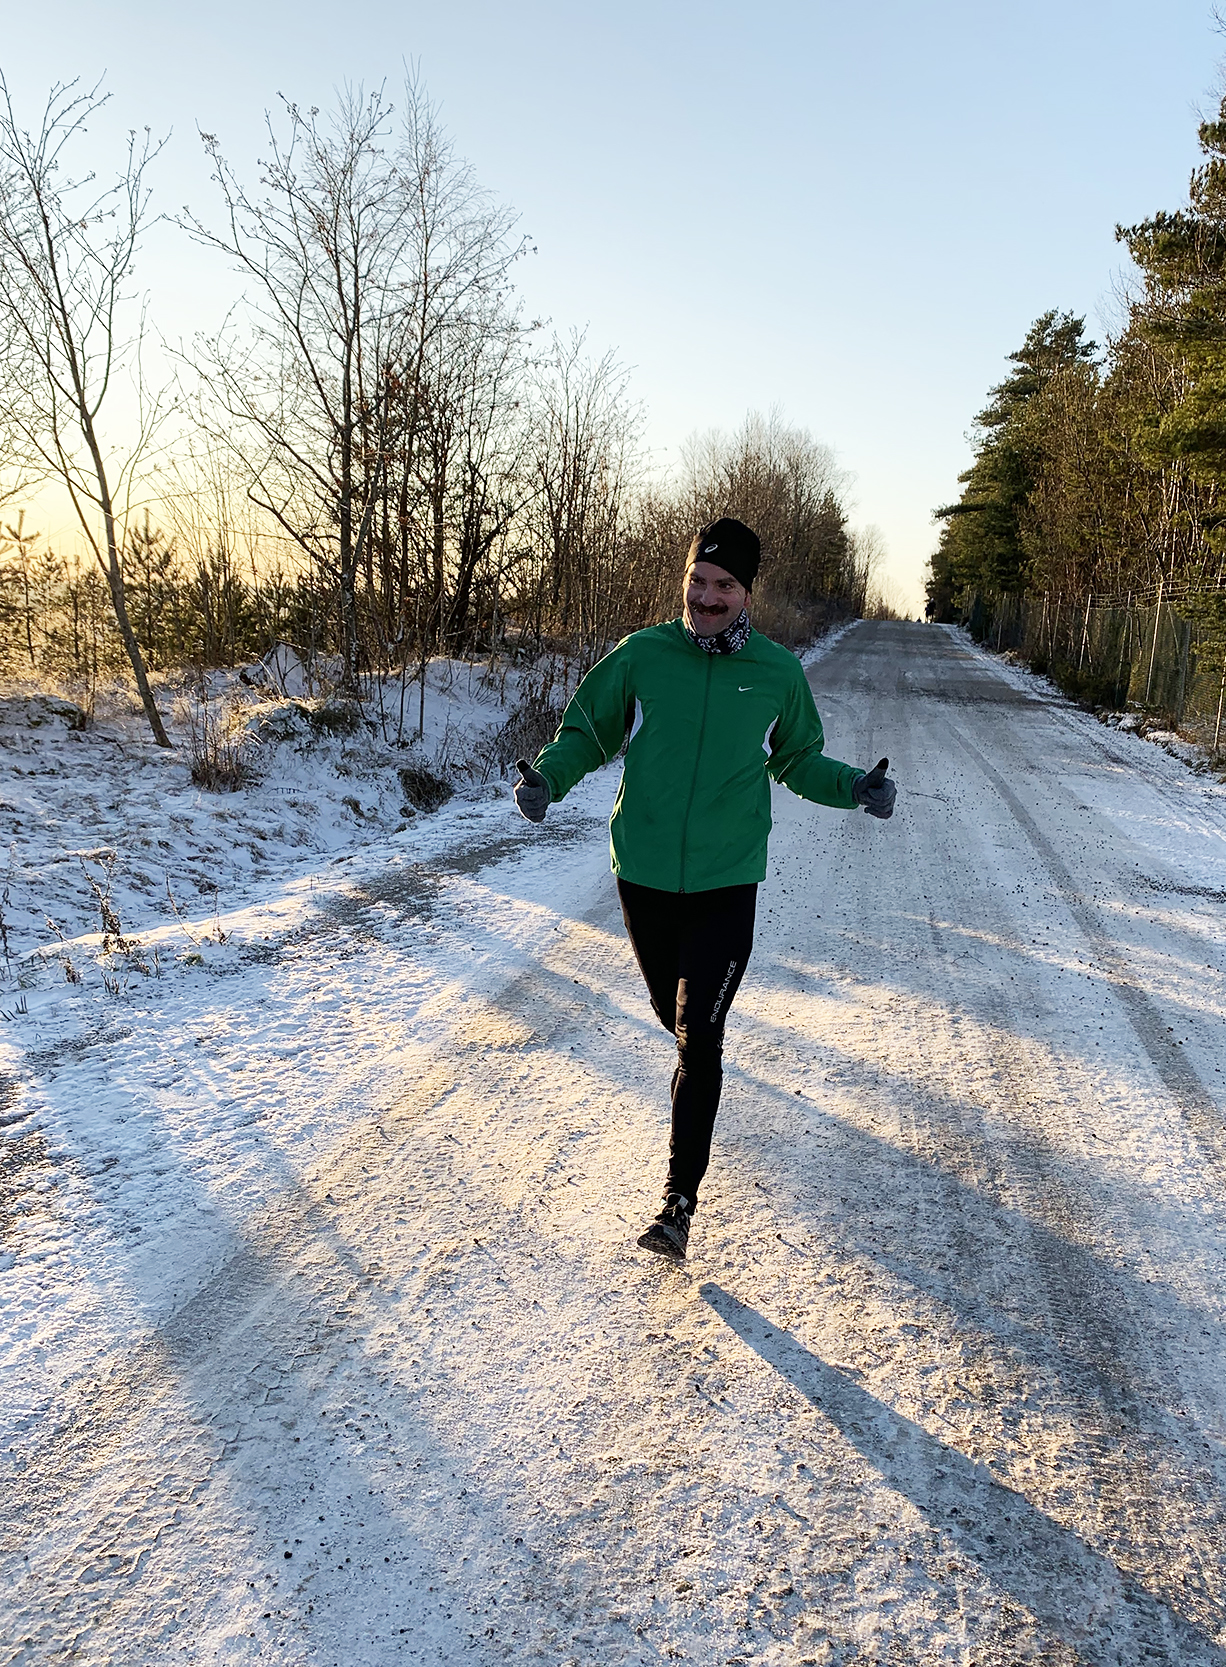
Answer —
1182 257
983 543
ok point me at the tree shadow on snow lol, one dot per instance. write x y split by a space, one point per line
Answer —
1086 1333
1080 1596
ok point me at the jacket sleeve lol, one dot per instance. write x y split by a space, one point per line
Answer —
797 759
593 724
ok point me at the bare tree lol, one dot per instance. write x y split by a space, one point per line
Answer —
66 254
366 244
461 381
304 380
788 487
586 460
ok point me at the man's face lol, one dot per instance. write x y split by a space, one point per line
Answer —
713 598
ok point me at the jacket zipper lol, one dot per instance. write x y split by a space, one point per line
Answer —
702 730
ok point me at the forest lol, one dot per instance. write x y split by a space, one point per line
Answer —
1090 534
377 459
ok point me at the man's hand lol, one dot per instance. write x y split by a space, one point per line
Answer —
532 792
875 791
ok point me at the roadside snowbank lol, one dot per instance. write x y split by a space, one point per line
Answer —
819 649
102 807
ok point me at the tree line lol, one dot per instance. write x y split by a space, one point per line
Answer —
1099 474
377 457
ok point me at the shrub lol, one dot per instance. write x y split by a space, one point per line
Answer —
219 758
332 717
422 788
1087 687
531 725
222 769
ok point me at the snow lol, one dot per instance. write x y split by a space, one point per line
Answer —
75 800
324 1334
821 646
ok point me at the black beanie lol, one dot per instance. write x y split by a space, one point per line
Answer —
729 544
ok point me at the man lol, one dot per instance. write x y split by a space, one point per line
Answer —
713 708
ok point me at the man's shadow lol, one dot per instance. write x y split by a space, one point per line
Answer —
1076 1593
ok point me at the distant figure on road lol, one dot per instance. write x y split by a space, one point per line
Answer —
713 708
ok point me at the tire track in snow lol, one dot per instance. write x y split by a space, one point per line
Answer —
204 1378
1151 1473
1196 1105
678 1491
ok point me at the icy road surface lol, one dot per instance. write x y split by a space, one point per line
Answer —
325 1339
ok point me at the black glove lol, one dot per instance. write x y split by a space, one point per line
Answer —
532 792
875 791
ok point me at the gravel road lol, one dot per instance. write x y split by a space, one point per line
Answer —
942 1381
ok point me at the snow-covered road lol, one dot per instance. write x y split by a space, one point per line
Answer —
325 1340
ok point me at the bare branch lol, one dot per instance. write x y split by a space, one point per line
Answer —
66 258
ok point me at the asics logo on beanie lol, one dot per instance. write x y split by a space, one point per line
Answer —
737 547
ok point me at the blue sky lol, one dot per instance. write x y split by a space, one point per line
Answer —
850 212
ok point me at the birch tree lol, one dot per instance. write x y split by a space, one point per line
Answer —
67 248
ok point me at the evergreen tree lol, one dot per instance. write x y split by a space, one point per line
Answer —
1182 257
983 542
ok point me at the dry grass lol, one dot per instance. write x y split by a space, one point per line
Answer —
219 748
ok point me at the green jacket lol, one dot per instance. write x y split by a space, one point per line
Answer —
706 730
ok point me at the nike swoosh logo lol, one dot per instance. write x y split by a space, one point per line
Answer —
743 688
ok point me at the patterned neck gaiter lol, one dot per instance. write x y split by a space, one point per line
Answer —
727 641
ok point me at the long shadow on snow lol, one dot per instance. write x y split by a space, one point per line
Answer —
1097 1360
1072 953
976 1219
1100 1316
978 1226
966 991
150 1357
412 890
187 1356
254 1271
1093 1348
203 1354
1077 1594
1024 1150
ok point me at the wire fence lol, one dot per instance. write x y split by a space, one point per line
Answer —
1162 654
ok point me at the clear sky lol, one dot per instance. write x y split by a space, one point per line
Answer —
849 211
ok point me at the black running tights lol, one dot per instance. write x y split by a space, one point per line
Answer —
692 948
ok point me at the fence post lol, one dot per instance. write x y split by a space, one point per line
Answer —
1149 681
1085 630
1217 728
1185 648
1125 652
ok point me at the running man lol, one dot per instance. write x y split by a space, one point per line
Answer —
712 708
